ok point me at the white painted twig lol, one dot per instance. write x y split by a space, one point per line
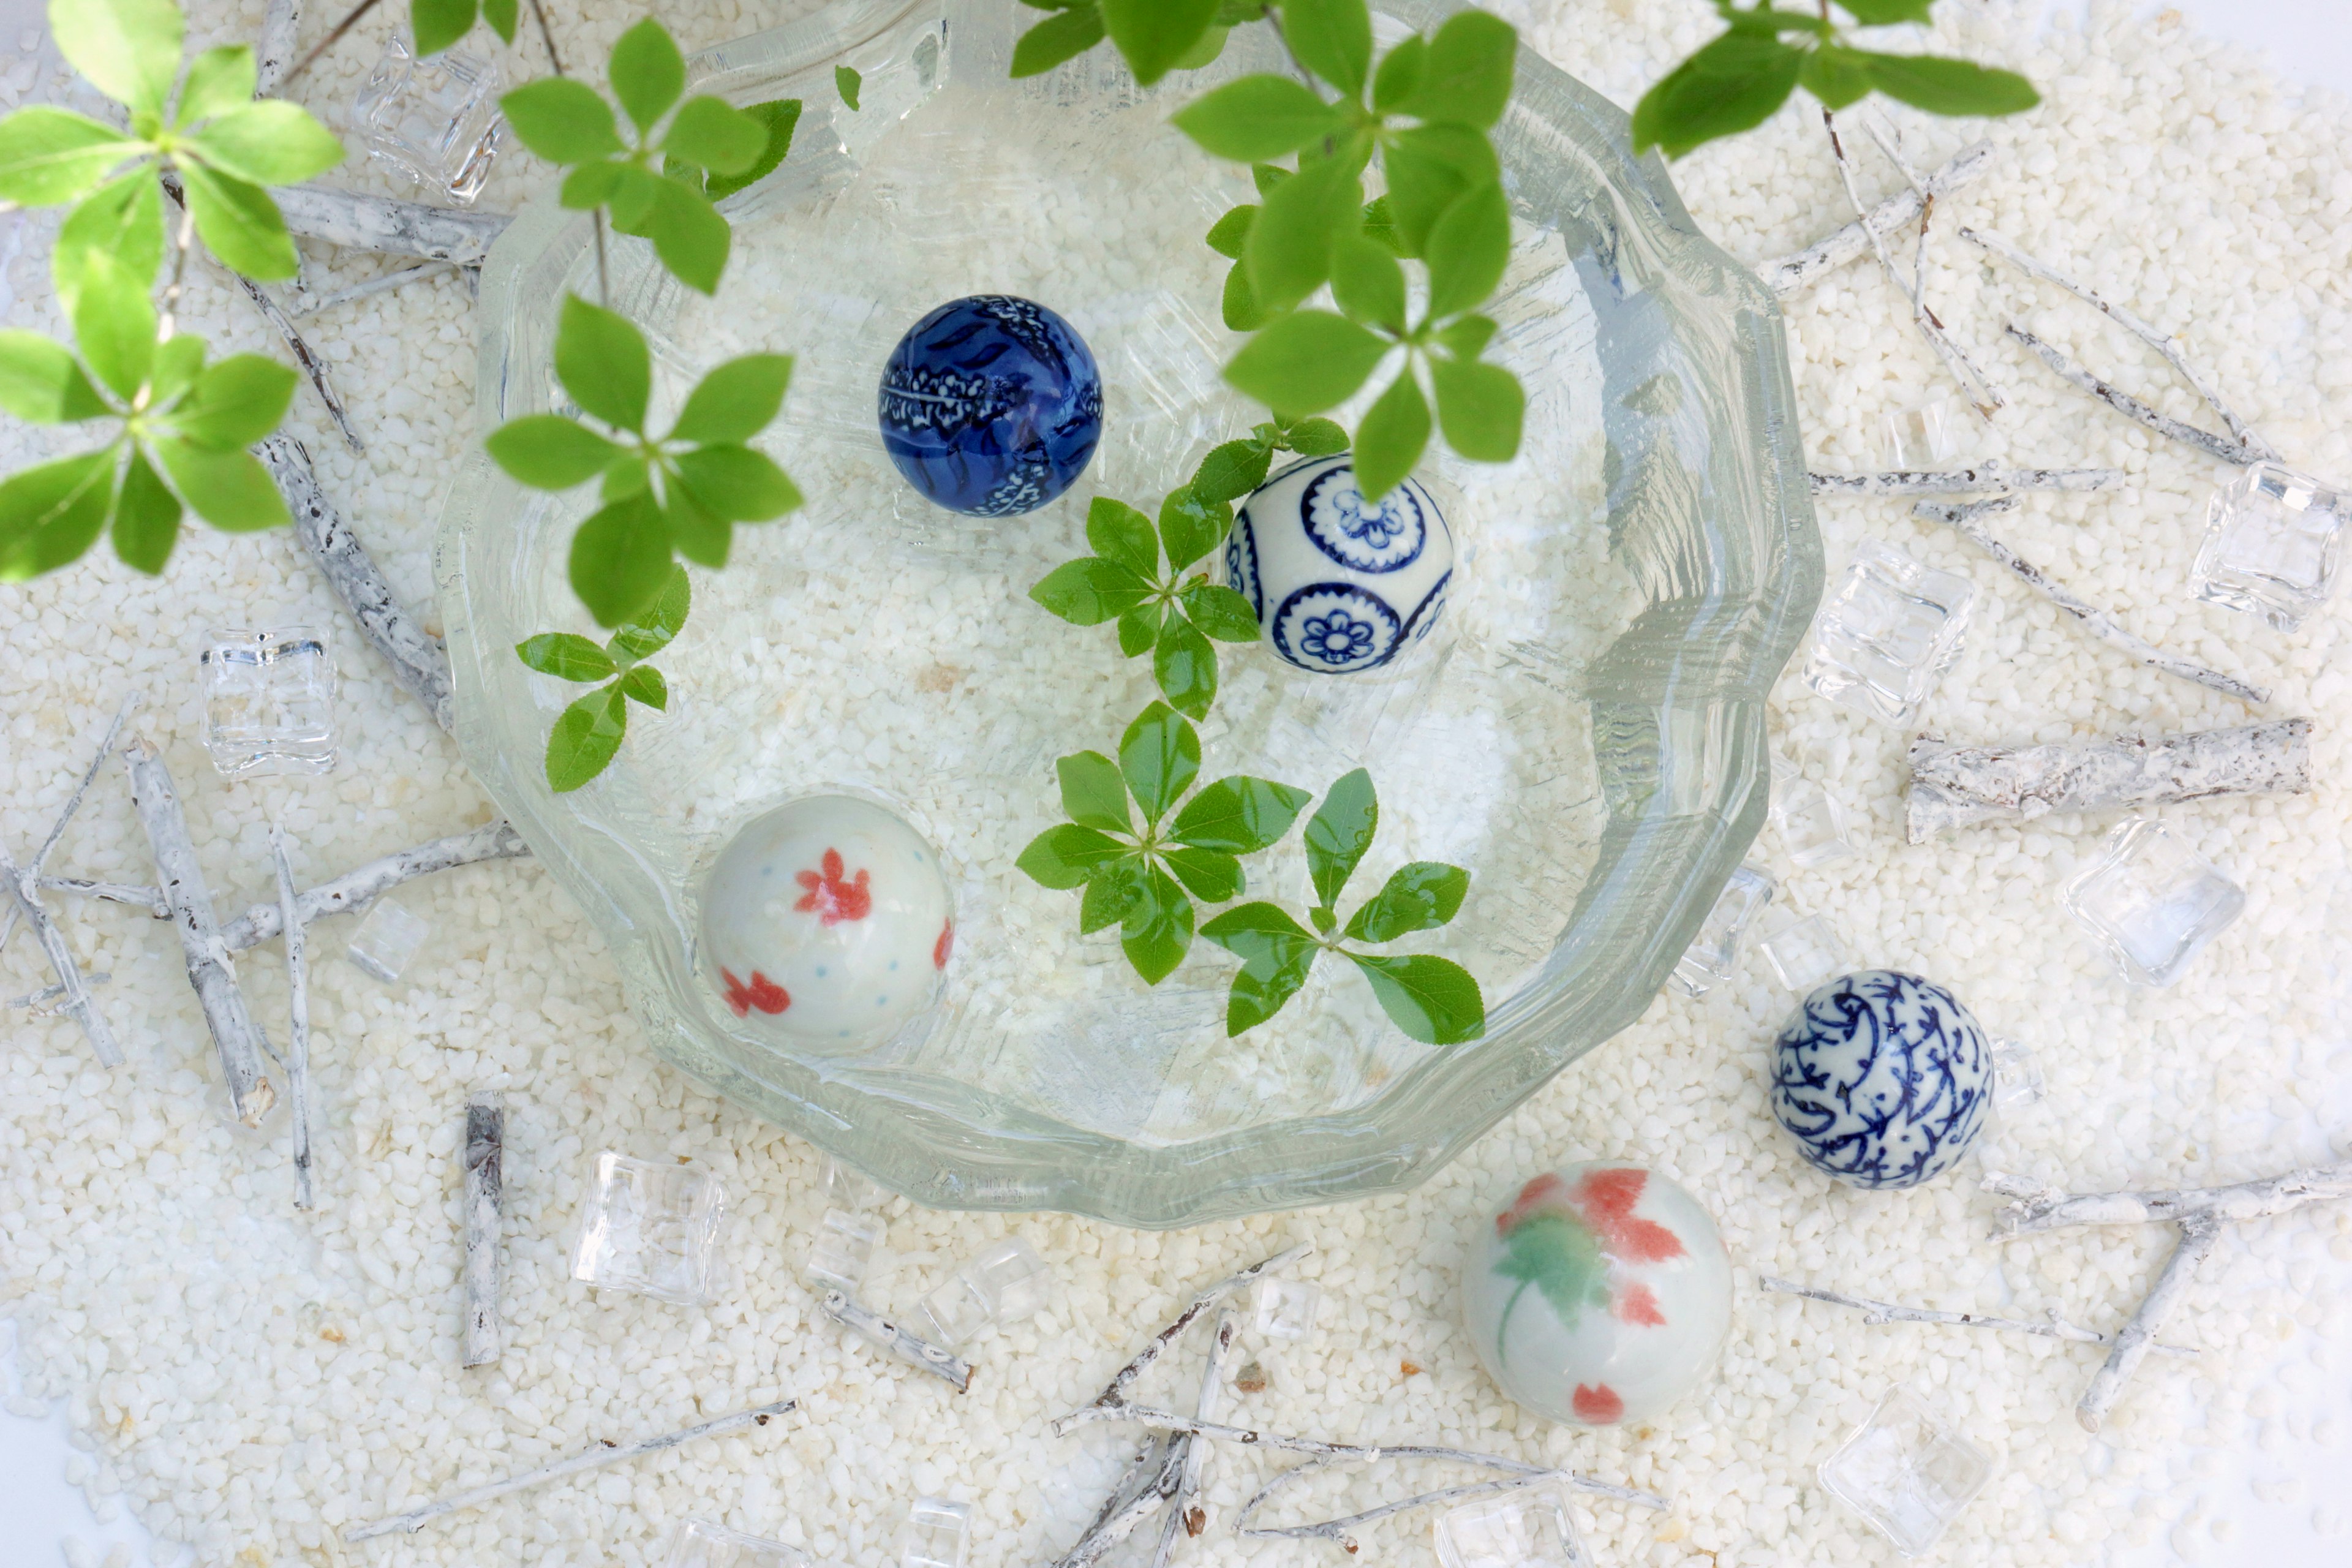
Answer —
35 1000
298 1033
357 222
1792 274
357 888
593 1459
211 970
1985 479
486 1132
1143 1490
2035 1209
1957 786
2124 403
1342 1529
1115 1392
2055 1328
910 1348
1968 521
24 890
148 899
307 305
64 816
1185 1515
273 48
2136 1338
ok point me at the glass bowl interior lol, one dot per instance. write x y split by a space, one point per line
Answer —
1583 730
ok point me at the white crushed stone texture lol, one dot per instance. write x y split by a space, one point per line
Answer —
252 1382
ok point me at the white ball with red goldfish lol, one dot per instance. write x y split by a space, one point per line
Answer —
1598 1293
827 920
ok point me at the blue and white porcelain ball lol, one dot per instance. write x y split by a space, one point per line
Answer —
1339 586
1883 1078
990 405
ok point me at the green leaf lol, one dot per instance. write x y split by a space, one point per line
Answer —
635 192
1266 176
1950 87
1160 756
1333 39
1255 118
1340 833
440 23
1289 249
122 219
1152 36
1467 77
1064 36
1219 611
130 49
848 84
1367 283
645 684
567 656
1067 855
1122 534
1835 74
1380 227
1467 337
712 133
115 325
1158 931
1185 665
1886 13
562 120
1110 893
1730 86
736 401
1230 233
1232 471
49 156
648 73
267 144
1276 955
689 236
593 184
1091 590
584 738
236 402
653 627
777 119
1418 897
1239 815
550 452
1429 169
1210 876
51 514
737 483
1308 359
1432 999
1092 793
43 383
620 559
178 359
1205 50
1138 628
231 490
1481 406
1239 308
1391 438
239 223
1467 250
1191 526
601 359
1399 75
144 518
501 15
1318 438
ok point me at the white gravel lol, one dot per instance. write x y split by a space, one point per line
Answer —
250 1382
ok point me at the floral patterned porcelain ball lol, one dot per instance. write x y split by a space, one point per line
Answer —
1883 1078
1339 586
990 405
826 919
1601 1295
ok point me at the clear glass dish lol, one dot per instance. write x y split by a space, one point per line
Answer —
1585 732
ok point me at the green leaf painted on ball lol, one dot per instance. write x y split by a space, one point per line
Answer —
1067 855
1158 931
1220 612
549 452
1340 833
1091 590
603 362
1185 663
567 656
1433 1000
1391 438
1064 36
1160 756
1307 361
1417 897
144 519
1560 1258
585 736
42 383
1092 793
1239 815
1276 953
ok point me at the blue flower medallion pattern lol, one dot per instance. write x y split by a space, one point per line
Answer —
1335 627
1384 538
1883 1078
1424 619
990 405
1241 566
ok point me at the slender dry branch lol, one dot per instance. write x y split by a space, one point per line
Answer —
355 888
1968 520
2056 1328
24 890
595 1458
2036 1209
1985 479
1185 1514
298 1034
1342 1529
334 37
148 899
64 816
486 1136
1142 1491
1794 273
2135 1339
910 1348
273 48
351 221
1957 786
2131 407
306 305
1114 1390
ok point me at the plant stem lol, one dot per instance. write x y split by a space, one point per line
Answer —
596 216
170 322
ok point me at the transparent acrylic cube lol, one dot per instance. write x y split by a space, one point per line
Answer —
1527 1527
842 1251
435 119
1005 1283
1714 954
269 700
2016 1076
2151 903
1810 824
1908 1472
2271 545
653 1229
1805 953
388 938
1935 434
1885 633
844 1188
701 1545
935 1534
1287 1309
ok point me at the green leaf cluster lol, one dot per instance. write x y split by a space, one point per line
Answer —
1136 578
1740 79
1154 36
571 124
677 493
1432 999
1234 468
438 24
591 730
1144 878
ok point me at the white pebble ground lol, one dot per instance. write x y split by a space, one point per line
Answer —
251 1382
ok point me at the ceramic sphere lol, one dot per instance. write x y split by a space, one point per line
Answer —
826 919
1339 586
1884 1080
990 405
1601 1293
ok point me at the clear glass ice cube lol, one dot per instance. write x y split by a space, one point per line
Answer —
1527 1527
2151 903
269 700
435 119
2271 545
844 1188
1005 1283
2016 1076
1811 825
1906 1471
701 1545
1287 1309
1805 953
935 1534
388 938
1714 954
1935 434
842 1251
1888 629
652 1229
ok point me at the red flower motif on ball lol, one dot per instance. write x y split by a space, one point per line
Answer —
831 897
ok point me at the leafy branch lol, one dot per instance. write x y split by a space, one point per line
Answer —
590 729
1234 469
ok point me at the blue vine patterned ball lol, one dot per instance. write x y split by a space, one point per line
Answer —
990 405
1339 586
1883 1078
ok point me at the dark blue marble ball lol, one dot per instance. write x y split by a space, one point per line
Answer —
1883 1078
990 405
